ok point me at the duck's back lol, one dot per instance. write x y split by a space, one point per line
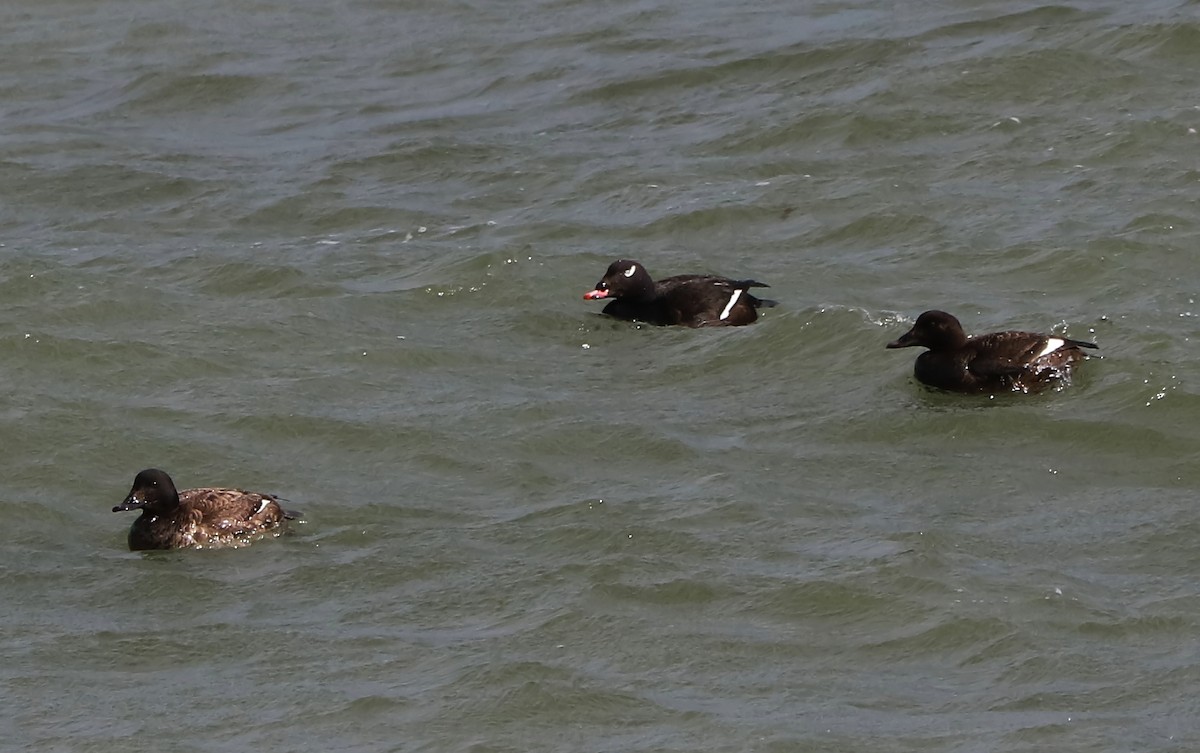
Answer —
1002 361
705 300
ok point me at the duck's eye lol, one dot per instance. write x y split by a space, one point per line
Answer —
631 271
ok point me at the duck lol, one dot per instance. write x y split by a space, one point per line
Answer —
687 300
998 362
201 518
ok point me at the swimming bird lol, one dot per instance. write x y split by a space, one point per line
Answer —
689 300
202 518
996 362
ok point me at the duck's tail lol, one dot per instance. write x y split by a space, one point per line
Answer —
755 301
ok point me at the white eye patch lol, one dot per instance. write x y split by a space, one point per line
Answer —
631 271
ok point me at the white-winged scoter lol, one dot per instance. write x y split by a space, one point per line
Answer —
996 362
690 300
204 518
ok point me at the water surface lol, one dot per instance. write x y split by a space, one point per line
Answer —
337 252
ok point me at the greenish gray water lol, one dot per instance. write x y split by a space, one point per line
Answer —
337 251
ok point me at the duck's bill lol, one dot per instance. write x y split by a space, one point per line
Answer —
594 295
129 504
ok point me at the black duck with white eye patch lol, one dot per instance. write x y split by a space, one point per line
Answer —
202 518
997 362
688 300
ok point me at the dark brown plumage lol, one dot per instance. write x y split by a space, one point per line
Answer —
204 518
998 362
689 300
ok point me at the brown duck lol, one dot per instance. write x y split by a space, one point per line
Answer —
997 362
204 518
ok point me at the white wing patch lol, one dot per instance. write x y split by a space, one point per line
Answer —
733 299
1052 344
262 506
631 271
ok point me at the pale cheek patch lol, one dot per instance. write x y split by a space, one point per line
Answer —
631 271
1052 345
733 299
